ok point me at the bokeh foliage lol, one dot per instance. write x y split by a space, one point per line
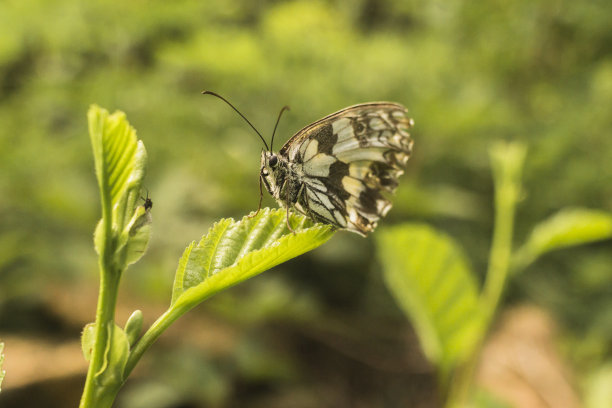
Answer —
470 73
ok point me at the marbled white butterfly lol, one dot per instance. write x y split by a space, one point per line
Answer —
336 169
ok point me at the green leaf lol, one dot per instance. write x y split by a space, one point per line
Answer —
115 356
120 162
233 251
99 237
569 227
138 233
433 284
598 392
115 148
230 253
88 339
2 372
133 326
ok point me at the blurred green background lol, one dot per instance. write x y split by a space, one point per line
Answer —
321 330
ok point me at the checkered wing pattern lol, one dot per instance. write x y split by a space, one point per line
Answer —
344 165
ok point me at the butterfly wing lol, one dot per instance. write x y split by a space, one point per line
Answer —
346 161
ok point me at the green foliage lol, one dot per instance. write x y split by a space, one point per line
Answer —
432 283
470 72
230 253
569 227
233 251
599 393
120 162
110 374
428 275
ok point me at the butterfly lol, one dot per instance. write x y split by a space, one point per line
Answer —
340 169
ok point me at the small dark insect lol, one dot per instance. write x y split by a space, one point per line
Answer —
337 169
148 203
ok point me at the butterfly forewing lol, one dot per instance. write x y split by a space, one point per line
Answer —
336 169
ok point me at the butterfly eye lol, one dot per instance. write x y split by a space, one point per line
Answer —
273 160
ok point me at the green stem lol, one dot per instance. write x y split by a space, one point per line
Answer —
499 262
96 394
157 328
120 161
501 249
507 162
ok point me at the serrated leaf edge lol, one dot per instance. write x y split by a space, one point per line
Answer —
190 295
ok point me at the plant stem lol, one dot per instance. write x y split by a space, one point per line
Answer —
96 394
157 328
507 162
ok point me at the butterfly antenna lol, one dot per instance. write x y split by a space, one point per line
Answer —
284 108
238 112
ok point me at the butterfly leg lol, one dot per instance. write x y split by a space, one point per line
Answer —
260 198
288 204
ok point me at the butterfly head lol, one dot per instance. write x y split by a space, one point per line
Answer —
270 166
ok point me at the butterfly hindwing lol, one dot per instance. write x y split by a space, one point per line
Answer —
345 161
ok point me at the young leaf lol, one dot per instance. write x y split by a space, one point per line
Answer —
431 281
138 232
120 162
115 146
233 251
230 253
119 238
88 339
115 355
569 227
133 326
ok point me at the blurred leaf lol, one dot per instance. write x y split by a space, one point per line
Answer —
233 251
431 281
598 392
260 361
2 372
569 227
483 398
